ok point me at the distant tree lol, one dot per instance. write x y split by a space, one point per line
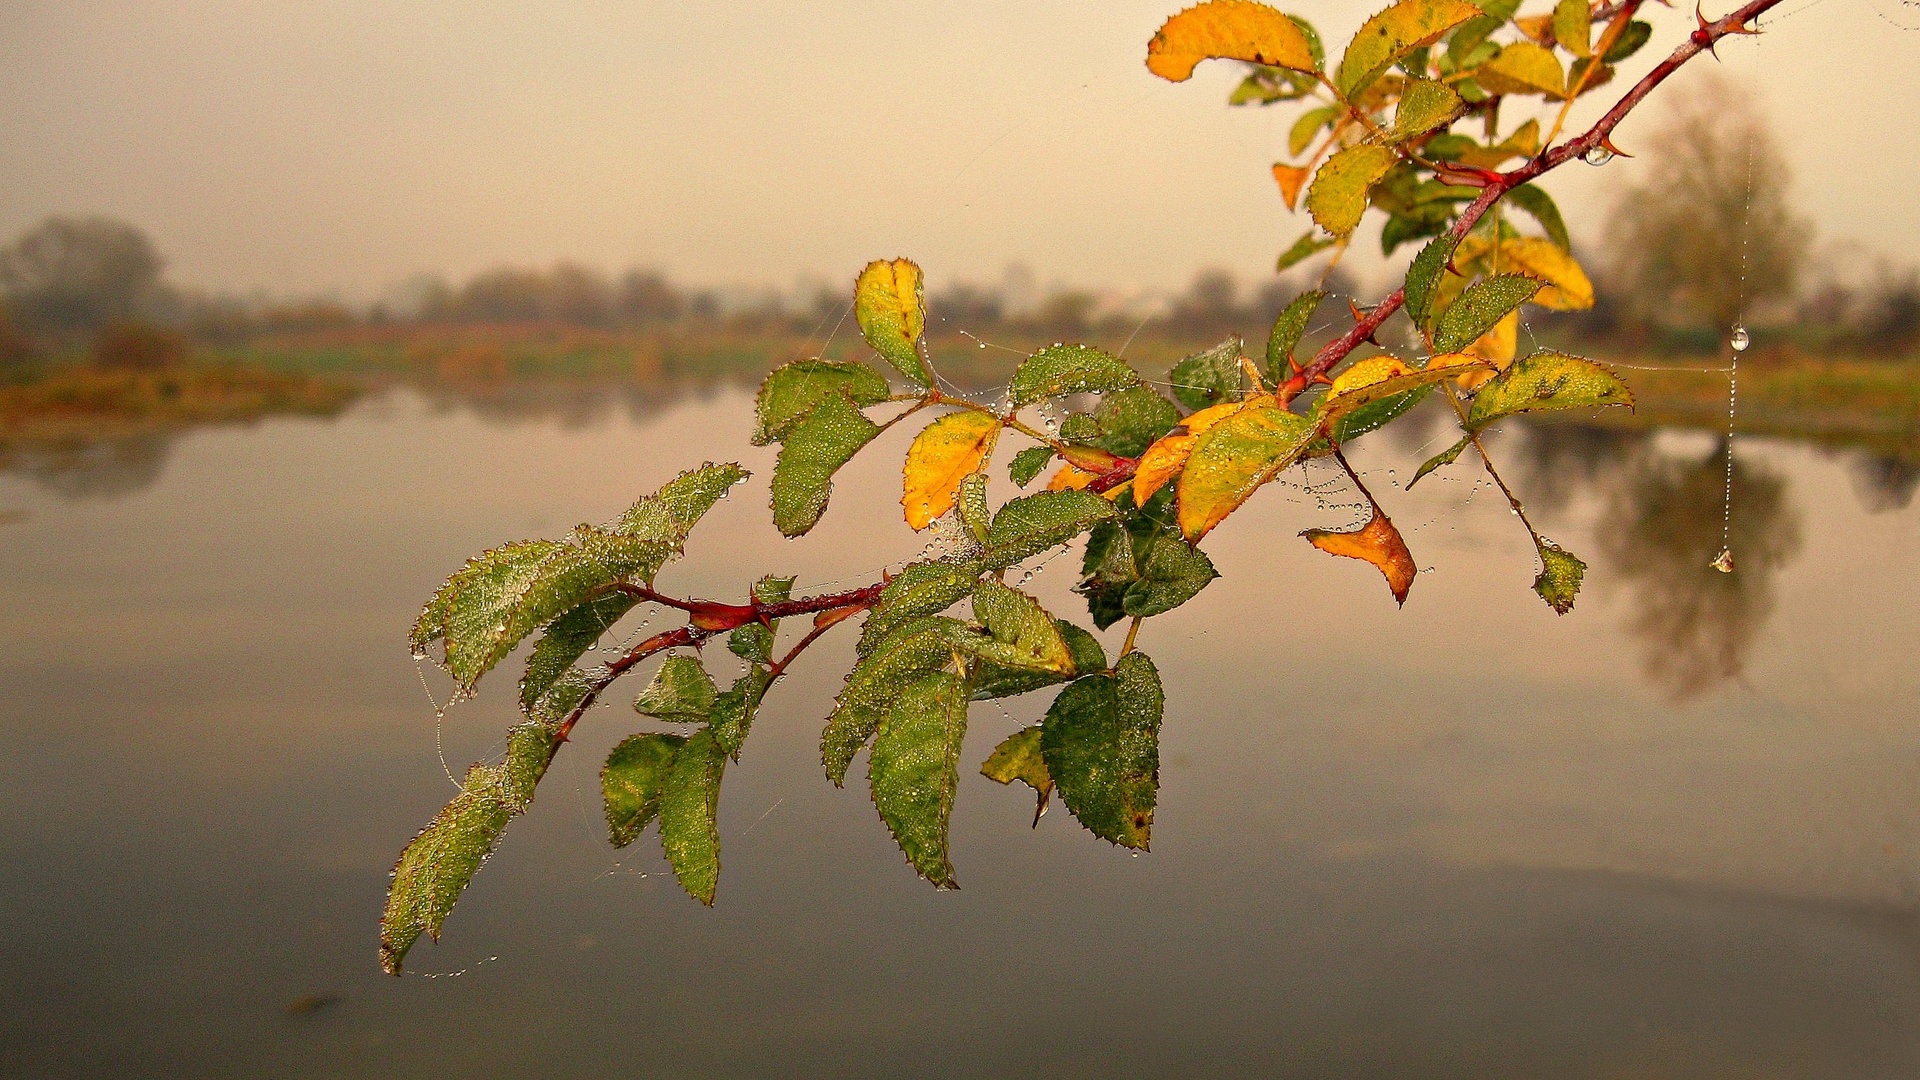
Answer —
1708 233
645 296
1210 306
578 295
71 275
962 306
139 346
15 349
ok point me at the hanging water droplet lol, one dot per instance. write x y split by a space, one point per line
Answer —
1597 155
1724 563
1740 339
419 654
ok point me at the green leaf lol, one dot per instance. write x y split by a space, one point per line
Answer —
1560 575
793 389
502 595
565 640
1288 329
753 641
772 589
825 439
439 862
1101 741
1631 39
1027 464
1129 420
971 501
915 769
1545 381
889 303
1423 275
1031 524
1424 106
920 646
1378 414
1393 33
733 711
633 781
990 680
1309 125
1208 378
920 589
1309 245
1535 201
1172 573
1059 370
1019 757
689 815
1024 635
681 691
1480 307
669 514
1338 198
1445 457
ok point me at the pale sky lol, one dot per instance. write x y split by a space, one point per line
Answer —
304 148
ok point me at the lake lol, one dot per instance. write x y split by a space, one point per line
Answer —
1675 833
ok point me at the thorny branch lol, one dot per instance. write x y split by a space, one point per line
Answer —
707 618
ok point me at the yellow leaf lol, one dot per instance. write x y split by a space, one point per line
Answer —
1168 455
1379 543
1380 377
1573 27
1338 198
1367 372
1523 68
1291 180
1227 30
1497 346
944 453
1537 27
1070 478
1233 459
1524 142
1392 34
887 304
1568 287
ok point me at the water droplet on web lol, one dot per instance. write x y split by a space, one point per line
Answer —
983 344
1597 155
1724 563
1740 339
419 655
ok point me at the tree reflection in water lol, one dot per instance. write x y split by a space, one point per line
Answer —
90 469
1662 529
1884 482
1658 529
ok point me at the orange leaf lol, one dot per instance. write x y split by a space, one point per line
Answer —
1070 478
1168 455
1227 30
1378 543
1291 179
942 456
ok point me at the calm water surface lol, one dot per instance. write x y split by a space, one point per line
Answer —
1674 834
